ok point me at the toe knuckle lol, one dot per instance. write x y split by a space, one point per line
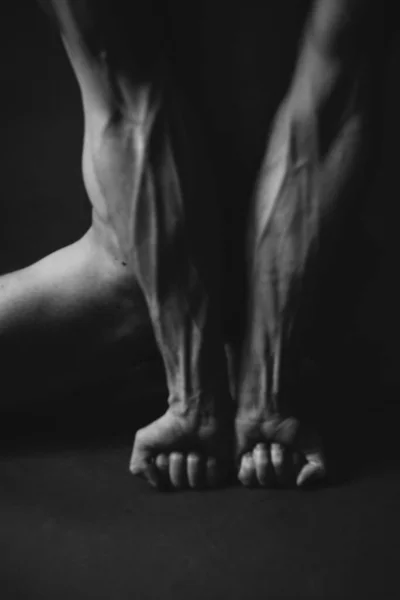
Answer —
192 457
160 460
134 467
139 437
276 454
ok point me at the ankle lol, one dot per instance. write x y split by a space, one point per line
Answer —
211 405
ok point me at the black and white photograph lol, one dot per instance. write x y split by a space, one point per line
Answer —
199 300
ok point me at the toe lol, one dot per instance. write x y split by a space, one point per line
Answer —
247 475
139 456
177 470
291 433
281 459
162 464
150 472
195 475
212 474
263 465
141 463
313 471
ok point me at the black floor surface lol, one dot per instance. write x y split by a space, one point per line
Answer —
76 525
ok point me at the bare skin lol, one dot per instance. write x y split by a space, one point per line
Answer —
146 217
304 182
145 258
147 178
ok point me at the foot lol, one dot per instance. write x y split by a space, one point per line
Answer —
277 452
273 450
183 451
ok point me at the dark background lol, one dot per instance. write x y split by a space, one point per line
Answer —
73 523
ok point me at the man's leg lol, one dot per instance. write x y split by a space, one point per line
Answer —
153 215
78 298
44 306
308 175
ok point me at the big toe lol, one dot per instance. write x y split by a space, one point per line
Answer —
313 469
